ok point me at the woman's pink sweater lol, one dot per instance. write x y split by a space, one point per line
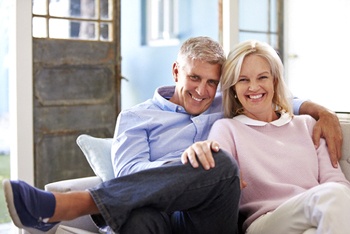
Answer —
278 160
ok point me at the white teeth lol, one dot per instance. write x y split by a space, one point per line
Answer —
197 99
255 96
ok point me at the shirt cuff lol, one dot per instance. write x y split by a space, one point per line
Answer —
296 105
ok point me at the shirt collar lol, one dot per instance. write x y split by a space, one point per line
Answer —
161 98
284 119
163 94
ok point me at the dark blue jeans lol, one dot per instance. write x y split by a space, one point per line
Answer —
174 198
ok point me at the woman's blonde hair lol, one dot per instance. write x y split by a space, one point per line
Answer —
231 70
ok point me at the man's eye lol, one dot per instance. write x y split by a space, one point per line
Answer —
194 77
213 82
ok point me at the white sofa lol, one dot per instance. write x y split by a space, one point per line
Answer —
85 225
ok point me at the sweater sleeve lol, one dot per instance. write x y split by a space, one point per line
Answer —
327 173
223 133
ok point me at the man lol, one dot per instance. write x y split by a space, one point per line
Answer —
153 192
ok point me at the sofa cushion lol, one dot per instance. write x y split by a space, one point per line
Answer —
345 159
98 153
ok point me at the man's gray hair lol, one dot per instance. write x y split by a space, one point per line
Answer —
201 48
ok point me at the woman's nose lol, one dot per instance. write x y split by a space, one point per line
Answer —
253 86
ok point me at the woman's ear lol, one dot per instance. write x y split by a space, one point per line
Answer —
234 91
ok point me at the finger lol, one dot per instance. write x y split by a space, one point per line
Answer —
339 143
215 146
200 154
207 158
184 159
193 159
316 135
334 145
333 153
339 151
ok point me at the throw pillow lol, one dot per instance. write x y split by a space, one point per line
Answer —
98 153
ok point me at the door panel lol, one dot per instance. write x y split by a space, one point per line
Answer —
76 90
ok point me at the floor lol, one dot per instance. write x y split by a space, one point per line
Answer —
5 228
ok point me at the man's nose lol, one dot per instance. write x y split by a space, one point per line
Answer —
201 88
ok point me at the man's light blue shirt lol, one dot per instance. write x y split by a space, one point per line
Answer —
158 131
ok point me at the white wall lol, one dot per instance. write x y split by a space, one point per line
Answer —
147 67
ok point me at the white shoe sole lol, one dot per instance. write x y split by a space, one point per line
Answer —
10 204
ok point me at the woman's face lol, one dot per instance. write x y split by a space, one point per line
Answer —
255 88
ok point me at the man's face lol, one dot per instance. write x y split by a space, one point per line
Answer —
196 84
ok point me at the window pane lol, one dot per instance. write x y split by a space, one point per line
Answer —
74 8
39 27
274 16
69 29
59 8
59 28
106 32
87 30
39 7
74 19
265 15
106 9
161 26
271 39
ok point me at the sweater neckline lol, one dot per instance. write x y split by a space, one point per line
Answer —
282 120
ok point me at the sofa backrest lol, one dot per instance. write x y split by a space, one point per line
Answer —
345 159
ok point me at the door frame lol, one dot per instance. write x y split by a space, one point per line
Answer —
21 92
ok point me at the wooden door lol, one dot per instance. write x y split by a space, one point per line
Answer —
76 90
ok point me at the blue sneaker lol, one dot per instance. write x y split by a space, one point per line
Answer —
29 206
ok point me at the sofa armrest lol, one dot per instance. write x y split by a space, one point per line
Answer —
79 184
345 159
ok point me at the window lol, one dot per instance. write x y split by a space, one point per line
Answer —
317 51
160 22
73 19
265 25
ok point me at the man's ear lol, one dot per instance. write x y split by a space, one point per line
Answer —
175 71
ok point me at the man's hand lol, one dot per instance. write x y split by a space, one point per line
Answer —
327 127
200 152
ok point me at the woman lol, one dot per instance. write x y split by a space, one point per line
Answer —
291 187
